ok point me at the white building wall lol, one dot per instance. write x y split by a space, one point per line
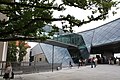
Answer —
5 47
27 56
3 50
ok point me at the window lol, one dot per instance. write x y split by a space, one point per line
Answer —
40 59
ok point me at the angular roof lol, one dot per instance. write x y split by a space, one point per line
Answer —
107 33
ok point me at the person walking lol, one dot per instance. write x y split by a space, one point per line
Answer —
79 63
93 62
8 72
70 64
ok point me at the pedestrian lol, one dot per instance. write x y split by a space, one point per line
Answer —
96 61
70 64
79 63
8 72
117 61
83 62
93 62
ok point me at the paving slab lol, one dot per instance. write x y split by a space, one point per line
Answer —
101 72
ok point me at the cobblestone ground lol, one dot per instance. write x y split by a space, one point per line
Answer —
101 72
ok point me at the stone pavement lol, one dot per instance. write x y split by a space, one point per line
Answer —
101 72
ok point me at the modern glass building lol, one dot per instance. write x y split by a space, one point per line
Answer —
104 40
107 36
77 40
61 55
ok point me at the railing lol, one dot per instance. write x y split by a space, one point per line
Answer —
27 67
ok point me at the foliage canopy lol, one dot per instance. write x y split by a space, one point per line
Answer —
16 51
26 18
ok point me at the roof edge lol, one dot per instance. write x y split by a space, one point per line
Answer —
100 26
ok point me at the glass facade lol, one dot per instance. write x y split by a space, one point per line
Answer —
74 39
83 41
106 33
61 55
88 38
77 40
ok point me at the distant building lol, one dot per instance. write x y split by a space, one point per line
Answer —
40 58
44 52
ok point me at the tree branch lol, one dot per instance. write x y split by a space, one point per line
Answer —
84 22
29 23
72 4
5 11
20 38
28 5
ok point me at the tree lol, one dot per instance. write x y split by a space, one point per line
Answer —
22 50
12 51
28 17
16 48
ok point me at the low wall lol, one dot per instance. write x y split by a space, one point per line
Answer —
34 67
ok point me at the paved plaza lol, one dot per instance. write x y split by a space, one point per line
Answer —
101 72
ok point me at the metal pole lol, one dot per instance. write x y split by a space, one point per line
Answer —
92 42
52 58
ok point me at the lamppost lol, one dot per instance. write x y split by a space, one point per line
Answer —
52 58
